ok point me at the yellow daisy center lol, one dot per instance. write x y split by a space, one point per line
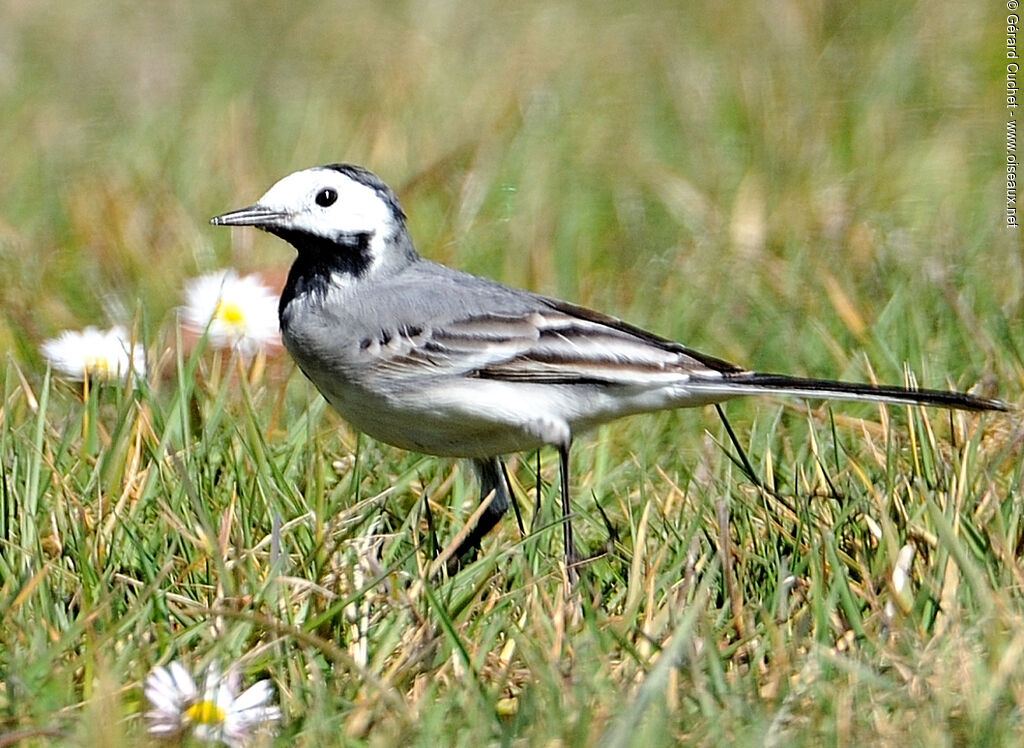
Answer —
205 713
230 313
98 366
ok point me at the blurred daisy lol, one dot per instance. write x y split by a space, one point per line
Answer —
235 312
213 711
94 354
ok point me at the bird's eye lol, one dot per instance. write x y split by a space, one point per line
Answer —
326 197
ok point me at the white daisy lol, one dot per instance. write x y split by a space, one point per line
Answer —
235 312
95 354
216 713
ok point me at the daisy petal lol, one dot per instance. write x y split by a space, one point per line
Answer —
94 354
213 710
234 312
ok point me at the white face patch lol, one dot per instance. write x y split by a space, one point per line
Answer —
353 208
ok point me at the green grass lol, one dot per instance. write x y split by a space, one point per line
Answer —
808 188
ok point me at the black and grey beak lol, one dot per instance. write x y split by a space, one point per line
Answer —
254 215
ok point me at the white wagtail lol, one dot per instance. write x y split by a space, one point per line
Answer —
435 360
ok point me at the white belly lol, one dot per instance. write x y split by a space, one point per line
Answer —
483 418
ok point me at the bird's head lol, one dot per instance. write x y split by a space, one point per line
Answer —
339 217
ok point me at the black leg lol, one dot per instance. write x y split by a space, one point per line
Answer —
512 496
570 546
491 472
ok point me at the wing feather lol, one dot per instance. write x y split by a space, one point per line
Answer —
553 343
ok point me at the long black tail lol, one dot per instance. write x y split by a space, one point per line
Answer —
754 383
